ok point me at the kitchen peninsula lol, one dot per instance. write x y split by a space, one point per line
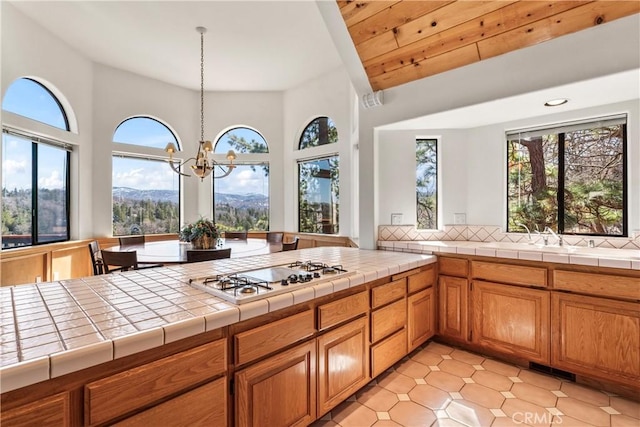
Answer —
145 345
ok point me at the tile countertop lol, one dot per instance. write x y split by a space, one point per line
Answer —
579 255
55 328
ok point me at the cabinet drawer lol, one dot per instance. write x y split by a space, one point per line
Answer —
119 394
50 411
453 266
390 292
206 405
422 280
266 339
388 319
388 352
347 308
597 284
510 274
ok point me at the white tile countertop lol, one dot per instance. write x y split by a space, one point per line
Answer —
579 255
55 328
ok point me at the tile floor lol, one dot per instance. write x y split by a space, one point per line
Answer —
443 386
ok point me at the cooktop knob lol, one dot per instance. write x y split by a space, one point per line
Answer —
284 282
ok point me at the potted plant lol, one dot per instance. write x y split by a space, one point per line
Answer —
203 234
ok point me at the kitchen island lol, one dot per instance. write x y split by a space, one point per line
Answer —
146 345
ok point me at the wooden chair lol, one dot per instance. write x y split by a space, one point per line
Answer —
237 235
131 240
198 255
275 236
290 246
96 258
123 261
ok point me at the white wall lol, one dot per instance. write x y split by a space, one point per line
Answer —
473 167
396 168
598 51
28 50
333 96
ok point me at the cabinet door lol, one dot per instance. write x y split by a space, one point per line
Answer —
596 336
51 411
511 320
204 406
343 363
421 317
278 391
453 303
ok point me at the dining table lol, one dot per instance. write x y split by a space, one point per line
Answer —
175 251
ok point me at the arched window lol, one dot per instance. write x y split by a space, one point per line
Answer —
144 131
318 180
35 170
241 200
321 131
146 192
31 99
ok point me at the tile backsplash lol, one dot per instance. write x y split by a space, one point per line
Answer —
491 233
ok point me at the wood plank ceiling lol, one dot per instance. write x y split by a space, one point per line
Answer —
402 41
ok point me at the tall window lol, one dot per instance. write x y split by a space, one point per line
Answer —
319 179
318 199
571 178
146 192
427 184
241 200
35 170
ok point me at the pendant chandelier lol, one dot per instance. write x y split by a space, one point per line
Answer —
203 166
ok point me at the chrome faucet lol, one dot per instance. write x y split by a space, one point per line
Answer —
519 224
558 238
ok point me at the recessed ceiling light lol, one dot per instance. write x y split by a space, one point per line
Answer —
556 102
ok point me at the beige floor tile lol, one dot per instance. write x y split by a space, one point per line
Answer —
533 394
466 357
589 395
427 358
583 411
431 397
523 412
377 398
445 381
501 368
324 423
492 380
456 367
447 422
439 348
412 414
354 414
387 423
397 383
413 369
624 421
482 395
625 406
567 421
539 380
469 414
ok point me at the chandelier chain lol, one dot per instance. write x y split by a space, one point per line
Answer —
201 86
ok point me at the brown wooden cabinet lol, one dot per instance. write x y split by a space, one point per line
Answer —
453 301
343 363
421 317
204 406
278 391
511 320
50 411
596 337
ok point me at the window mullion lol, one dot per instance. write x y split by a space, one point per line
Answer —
560 195
34 194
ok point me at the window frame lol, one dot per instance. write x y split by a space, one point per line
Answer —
553 130
436 142
35 141
53 96
299 162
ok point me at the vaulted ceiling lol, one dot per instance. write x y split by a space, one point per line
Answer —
405 40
